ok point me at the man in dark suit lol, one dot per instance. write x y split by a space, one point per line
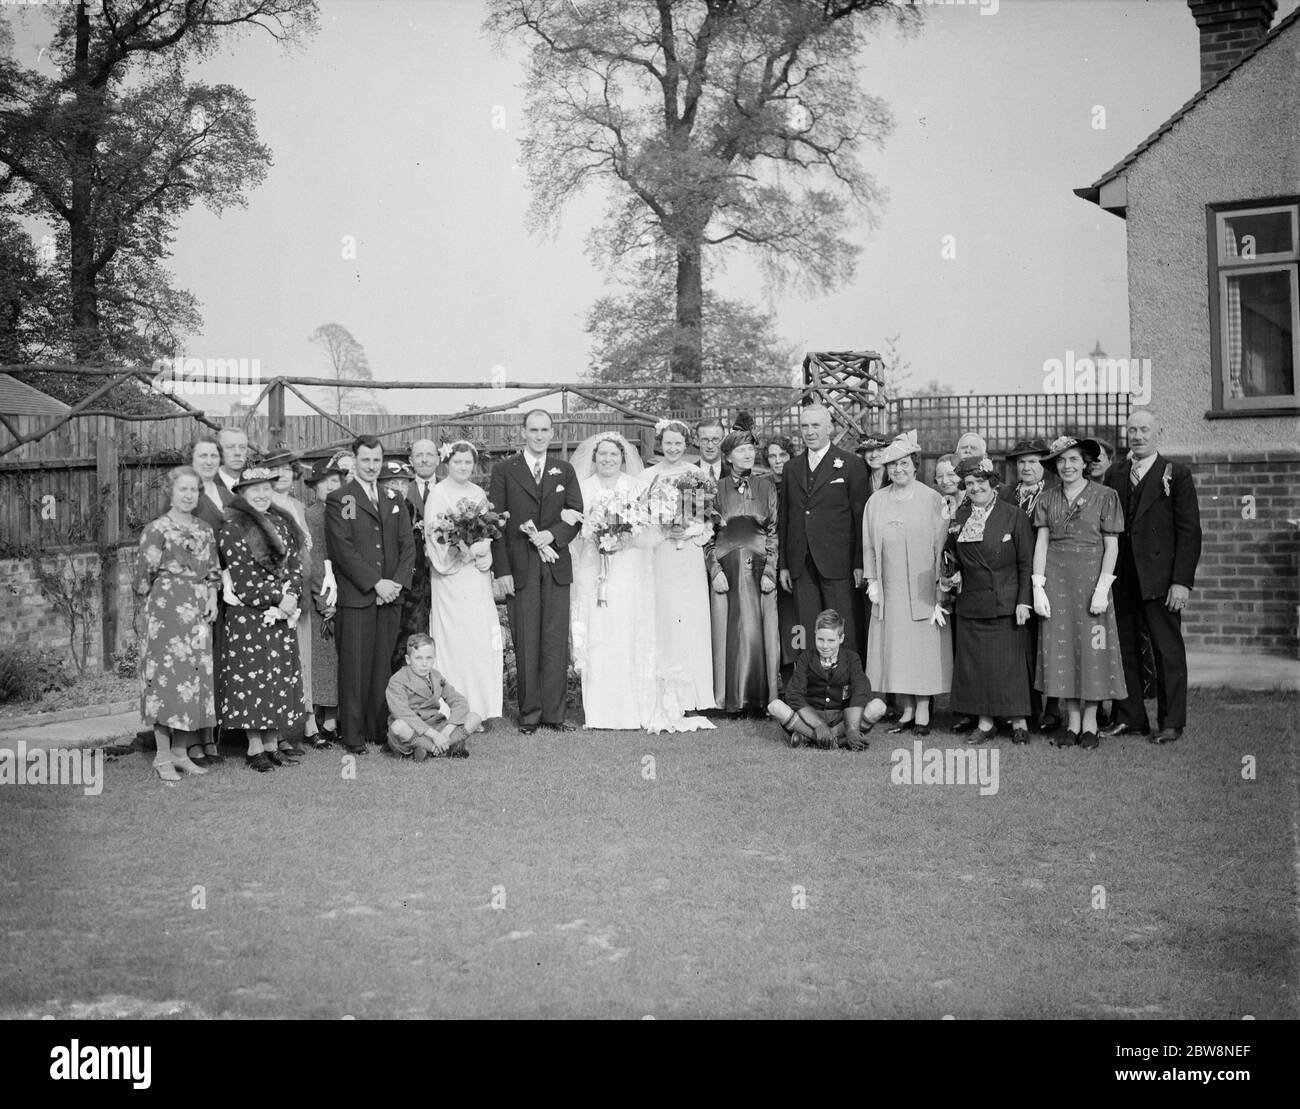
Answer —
417 600
372 549
532 570
234 456
709 434
820 525
1158 553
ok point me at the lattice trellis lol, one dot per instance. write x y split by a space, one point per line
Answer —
849 384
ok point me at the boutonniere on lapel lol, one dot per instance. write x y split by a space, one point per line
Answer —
554 470
839 464
1165 481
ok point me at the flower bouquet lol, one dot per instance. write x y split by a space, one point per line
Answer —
470 527
612 522
683 503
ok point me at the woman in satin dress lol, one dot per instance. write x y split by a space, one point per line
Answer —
742 563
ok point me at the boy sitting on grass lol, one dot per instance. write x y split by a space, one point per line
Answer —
829 698
418 726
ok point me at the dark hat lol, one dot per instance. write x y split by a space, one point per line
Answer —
393 469
320 470
981 467
256 475
276 459
869 444
1027 446
1089 448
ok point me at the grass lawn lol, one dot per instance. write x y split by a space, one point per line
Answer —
619 896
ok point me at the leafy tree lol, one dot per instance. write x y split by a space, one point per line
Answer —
633 337
115 147
346 359
716 123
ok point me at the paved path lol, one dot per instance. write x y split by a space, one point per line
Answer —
1206 669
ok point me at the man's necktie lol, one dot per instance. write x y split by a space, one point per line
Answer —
1134 477
537 473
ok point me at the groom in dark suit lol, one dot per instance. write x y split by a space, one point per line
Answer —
1154 575
532 570
372 547
820 525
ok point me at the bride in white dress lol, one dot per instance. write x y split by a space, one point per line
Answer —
614 642
462 614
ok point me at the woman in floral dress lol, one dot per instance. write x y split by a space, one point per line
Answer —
177 575
261 678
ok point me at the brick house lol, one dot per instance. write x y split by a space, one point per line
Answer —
1212 206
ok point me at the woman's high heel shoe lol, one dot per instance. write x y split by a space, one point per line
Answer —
167 773
1066 738
905 726
187 764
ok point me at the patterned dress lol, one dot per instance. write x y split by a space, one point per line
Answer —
261 679
1078 653
176 567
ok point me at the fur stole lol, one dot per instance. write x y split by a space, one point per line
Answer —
263 538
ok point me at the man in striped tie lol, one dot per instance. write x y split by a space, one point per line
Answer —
417 599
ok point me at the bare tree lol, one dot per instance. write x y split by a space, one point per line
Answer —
717 123
346 360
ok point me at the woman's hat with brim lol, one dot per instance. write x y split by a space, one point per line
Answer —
320 470
1089 448
980 467
869 444
1026 446
395 470
902 446
277 459
256 475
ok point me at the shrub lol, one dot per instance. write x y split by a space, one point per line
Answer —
27 674
126 662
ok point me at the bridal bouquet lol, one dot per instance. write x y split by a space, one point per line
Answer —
471 526
612 522
683 503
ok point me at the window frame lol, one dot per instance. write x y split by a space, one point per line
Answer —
1223 405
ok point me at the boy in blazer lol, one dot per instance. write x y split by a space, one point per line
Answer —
372 549
819 524
829 697
532 569
416 696
1156 570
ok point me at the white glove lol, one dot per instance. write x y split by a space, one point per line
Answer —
873 591
329 589
936 617
228 593
571 516
1101 595
1041 604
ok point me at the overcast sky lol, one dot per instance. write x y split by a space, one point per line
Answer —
382 129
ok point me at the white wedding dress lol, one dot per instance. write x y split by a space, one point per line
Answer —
614 645
462 614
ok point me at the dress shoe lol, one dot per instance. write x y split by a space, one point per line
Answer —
527 729
213 754
1123 729
922 730
1020 735
905 726
321 742
1047 724
356 749
260 763
1166 735
167 773
966 724
1089 741
275 758
979 735
562 726
1065 739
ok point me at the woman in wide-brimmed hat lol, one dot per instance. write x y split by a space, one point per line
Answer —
992 546
261 675
1079 523
909 649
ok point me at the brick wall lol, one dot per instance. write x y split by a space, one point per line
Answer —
1248 582
27 619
